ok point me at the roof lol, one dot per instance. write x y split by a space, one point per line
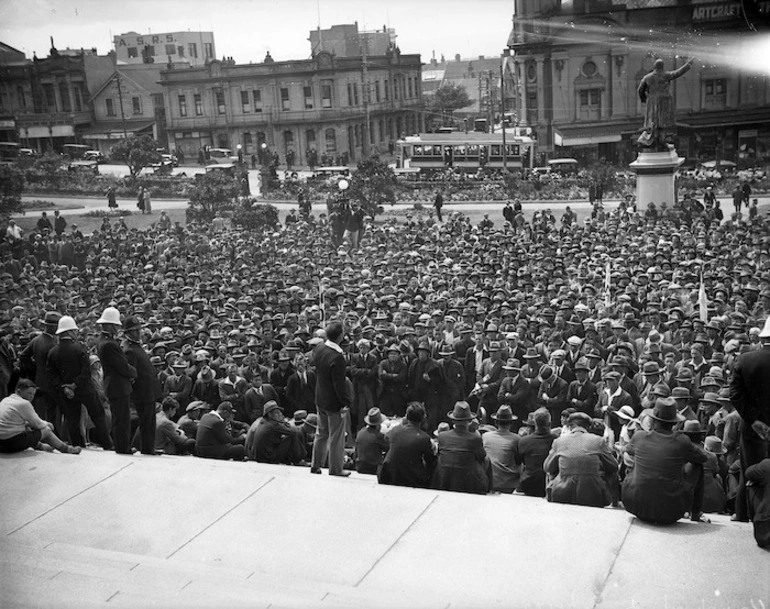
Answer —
139 76
97 68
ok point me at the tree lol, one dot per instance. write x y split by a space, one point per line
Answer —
373 184
448 98
212 192
137 153
11 185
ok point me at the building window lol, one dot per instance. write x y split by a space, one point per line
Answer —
133 52
308 91
310 138
285 102
208 50
157 101
149 50
532 106
180 50
350 94
377 90
136 105
326 93
248 143
193 48
110 106
288 140
387 91
257 95
64 93
331 140
78 99
21 97
411 87
245 102
590 104
170 49
182 105
198 100
355 94
395 88
715 93
219 98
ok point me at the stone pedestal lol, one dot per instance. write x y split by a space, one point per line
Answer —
655 177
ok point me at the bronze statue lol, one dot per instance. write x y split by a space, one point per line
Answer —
659 120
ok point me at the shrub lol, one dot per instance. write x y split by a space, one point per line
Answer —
111 213
256 217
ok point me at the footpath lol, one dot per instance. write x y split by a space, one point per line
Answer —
106 530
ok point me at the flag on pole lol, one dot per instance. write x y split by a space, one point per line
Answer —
702 302
607 285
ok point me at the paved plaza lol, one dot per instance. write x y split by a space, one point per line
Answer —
101 529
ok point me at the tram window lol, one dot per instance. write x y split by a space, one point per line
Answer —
496 150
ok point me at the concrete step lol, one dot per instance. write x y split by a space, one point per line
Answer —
125 577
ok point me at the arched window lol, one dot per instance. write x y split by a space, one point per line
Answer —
331 140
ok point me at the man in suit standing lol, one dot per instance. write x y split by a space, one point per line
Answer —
300 390
750 393
34 359
119 376
582 393
515 393
331 399
146 389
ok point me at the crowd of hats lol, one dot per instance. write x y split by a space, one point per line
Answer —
236 292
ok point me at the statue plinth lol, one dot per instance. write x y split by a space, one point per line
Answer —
655 177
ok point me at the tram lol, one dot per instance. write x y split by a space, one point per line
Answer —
467 151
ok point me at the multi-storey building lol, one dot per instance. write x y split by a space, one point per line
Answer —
193 48
347 41
341 106
579 62
45 103
128 100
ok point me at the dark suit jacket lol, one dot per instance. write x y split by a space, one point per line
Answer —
34 359
300 396
410 459
147 389
749 388
118 373
68 363
330 389
586 397
212 438
517 393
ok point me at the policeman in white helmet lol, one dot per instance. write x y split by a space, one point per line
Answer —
119 376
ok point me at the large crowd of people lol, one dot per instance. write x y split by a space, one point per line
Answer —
616 360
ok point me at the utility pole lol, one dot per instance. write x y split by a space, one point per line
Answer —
365 93
120 100
502 116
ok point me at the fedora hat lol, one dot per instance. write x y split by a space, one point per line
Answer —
714 445
512 364
206 374
504 413
494 345
680 393
710 397
51 318
197 405
665 411
446 350
373 417
269 407
693 428
531 353
300 416
310 424
110 315
461 412
581 364
650 369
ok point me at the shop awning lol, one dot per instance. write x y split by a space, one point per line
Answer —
114 131
759 116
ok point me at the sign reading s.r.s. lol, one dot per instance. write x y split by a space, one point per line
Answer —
140 40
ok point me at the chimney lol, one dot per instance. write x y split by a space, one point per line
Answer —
457 57
481 57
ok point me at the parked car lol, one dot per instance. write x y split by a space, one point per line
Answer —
83 166
170 158
94 155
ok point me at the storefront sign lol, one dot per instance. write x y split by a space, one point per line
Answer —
716 12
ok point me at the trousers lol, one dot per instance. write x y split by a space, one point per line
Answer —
71 409
329 441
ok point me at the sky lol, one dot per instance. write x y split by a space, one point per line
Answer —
247 29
